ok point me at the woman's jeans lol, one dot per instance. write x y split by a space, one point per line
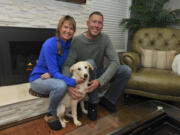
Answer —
117 83
54 87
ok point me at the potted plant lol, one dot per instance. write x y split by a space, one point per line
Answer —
150 13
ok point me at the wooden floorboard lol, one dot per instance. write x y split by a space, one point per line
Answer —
40 127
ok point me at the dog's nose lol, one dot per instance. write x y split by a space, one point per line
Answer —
85 75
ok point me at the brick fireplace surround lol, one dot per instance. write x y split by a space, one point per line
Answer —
15 101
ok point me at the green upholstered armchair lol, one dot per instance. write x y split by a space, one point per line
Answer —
149 80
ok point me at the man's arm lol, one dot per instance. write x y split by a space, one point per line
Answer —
114 64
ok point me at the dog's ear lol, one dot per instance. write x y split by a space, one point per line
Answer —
90 66
71 68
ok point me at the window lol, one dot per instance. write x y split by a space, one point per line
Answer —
114 11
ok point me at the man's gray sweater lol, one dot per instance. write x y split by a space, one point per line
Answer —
83 48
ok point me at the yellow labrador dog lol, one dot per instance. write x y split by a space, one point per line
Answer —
79 70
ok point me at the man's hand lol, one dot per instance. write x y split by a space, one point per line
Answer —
92 85
45 76
74 93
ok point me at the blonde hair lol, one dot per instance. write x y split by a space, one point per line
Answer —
60 24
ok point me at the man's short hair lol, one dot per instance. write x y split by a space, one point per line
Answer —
96 13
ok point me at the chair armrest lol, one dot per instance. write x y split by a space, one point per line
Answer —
131 59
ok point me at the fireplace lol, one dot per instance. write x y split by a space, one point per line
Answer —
19 51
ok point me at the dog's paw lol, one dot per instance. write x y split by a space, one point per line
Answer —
65 121
84 111
77 123
63 124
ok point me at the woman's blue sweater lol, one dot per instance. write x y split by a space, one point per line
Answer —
49 61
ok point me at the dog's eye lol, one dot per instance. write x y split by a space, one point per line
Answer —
79 68
85 67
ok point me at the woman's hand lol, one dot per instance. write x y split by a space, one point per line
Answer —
74 93
78 81
45 76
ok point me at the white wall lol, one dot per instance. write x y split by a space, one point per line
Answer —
172 5
113 13
41 13
46 13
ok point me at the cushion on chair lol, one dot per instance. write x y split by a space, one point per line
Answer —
153 80
157 59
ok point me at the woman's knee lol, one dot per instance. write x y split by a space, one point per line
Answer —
60 86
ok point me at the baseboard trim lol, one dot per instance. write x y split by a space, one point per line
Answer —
22 121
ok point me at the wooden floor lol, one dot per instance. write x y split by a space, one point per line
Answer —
40 127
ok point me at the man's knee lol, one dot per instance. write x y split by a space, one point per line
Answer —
124 71
127 70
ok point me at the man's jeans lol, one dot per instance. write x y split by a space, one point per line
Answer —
117 83
54 87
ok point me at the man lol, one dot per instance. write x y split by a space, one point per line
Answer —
95 45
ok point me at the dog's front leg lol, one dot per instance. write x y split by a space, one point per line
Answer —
83 108
74 113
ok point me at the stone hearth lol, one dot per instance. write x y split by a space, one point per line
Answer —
17 104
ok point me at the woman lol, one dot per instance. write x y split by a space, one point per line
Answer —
52 56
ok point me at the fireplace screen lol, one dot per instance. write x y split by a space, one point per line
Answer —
19 52
24 55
